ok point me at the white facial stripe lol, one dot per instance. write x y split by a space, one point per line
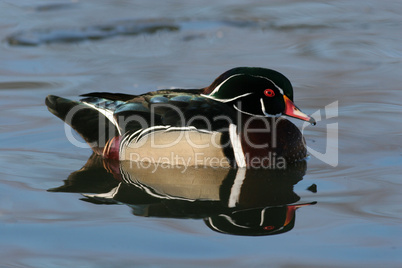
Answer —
219 86
226 100
262 106
257 115
216 89
264 111
280 89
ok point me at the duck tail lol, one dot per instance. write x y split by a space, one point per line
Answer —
96 126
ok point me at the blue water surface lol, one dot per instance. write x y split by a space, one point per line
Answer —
345 52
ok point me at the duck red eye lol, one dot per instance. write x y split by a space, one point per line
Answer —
269 92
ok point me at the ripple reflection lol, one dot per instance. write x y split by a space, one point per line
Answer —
250 202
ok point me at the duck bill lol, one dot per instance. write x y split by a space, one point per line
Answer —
292 111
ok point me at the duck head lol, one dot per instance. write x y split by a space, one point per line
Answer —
256 91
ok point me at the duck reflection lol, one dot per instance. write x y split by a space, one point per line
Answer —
249 202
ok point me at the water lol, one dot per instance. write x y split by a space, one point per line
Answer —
345 51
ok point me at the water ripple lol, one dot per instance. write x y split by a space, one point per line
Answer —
97 32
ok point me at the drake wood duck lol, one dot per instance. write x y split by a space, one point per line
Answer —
234 122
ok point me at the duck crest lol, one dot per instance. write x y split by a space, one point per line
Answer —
276 77
233 122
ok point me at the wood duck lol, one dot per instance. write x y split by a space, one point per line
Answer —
234 122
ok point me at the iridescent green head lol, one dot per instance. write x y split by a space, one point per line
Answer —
256 91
